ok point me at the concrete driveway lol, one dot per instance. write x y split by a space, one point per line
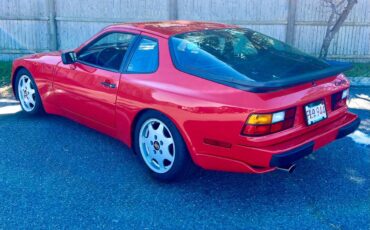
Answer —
55 173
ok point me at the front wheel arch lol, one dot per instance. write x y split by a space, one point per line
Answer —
38 105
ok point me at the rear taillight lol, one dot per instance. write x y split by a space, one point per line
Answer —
263 124
339 99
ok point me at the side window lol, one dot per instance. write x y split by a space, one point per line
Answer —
145 57
107 51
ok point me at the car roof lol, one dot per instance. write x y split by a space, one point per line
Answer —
169 28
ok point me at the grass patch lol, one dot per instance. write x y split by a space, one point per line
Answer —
359 70
5 71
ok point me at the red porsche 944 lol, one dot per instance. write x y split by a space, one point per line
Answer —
184 93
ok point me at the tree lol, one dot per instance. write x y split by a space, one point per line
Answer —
339 11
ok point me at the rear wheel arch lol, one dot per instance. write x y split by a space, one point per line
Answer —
179 166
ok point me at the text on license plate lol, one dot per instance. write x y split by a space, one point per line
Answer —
315 112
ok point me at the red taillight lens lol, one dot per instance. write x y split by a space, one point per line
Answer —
277 127
263 124
339 99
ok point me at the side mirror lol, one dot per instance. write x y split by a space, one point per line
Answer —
69 57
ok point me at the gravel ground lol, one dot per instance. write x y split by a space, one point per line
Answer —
55 173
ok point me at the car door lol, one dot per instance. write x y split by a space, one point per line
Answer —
88 87
139 80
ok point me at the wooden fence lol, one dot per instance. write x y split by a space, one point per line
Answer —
28 26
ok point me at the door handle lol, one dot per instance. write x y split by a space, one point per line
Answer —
108 85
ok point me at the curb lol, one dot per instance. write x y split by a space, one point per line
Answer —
359 81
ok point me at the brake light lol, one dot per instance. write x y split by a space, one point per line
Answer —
263 124
339 99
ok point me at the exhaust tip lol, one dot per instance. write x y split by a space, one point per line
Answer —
289 169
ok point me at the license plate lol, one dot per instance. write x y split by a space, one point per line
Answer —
315 112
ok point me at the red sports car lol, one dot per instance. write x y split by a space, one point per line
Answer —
182 93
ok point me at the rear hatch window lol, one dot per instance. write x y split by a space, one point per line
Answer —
245 58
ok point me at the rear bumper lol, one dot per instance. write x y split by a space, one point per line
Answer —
350 128
288 158
291 156
264 159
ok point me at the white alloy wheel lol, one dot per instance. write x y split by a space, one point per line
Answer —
26 93
157 145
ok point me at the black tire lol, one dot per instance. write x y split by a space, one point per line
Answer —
182 165
37 108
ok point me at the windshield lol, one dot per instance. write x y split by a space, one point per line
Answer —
239 55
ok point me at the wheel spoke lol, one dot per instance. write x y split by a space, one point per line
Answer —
167 142
150 147
146 146
161 164
28 83
150 156
26 102
31 100
23 83
151 131
166 155
160 129
31 91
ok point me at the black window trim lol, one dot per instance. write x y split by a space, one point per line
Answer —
127 54
132 52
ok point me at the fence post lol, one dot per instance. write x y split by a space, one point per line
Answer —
290 30
173 8
52 26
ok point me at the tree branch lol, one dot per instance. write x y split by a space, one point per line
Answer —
334 24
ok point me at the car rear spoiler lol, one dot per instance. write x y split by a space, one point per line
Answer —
335 68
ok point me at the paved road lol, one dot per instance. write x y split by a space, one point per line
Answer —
55 173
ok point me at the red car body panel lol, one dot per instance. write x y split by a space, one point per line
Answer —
201 109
